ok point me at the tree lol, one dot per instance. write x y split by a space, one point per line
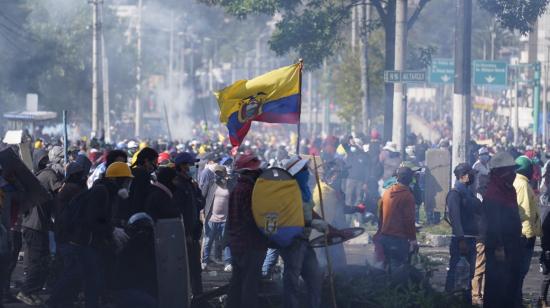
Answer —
518 15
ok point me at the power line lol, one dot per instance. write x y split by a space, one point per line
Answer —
12 43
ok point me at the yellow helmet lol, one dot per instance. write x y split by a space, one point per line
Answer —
38 144
118 170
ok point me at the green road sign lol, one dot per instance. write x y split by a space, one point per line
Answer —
442 71
392 76
491 73
405 76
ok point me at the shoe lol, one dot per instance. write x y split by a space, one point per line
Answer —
27 299
204 266
228 268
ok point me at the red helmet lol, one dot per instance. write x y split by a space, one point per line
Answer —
164 157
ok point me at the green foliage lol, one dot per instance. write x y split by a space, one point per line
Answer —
516 14
347 83
313 34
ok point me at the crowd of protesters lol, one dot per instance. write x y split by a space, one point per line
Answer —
97 229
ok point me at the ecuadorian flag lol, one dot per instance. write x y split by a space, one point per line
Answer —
273 97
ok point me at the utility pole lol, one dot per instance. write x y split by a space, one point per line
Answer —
325 125
310 102
516 107
545 97
536 102
96 28
137 131
365 65
400 89
105 84
462 85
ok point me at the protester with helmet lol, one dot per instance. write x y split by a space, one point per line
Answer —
99 171
144 165
188 199
92 237
136 272
299 258
248 245
528 212
503 244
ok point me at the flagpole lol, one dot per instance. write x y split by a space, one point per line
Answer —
301 61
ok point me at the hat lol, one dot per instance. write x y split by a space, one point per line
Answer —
132 144
483 151
219 168
404 172
502 159
523 163
186 158
247 162
390 146
462 169
294 164
141 216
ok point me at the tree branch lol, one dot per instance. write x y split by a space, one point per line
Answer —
381 12
416 13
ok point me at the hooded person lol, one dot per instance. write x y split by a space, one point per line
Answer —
248 245
481 166
464 214
528 212
159 203
92 237
37 222
188 199
503 244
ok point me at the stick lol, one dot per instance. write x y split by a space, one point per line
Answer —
329 262
299 108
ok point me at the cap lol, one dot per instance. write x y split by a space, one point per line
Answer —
186 158
294 164
404 172
141 216
501 160
483 151
390 146
163 158
247 162
462 169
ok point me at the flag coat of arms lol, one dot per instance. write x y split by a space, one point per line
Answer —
274 97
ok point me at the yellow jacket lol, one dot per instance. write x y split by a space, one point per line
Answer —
528 207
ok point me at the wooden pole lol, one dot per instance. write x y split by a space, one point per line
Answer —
301 61
329 262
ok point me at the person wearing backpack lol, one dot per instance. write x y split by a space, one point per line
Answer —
464 212
91 235
248 245
37 222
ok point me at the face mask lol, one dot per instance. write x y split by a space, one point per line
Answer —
484 158
192 171
123 193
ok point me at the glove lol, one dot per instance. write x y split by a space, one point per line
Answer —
120 237
319 225
361 208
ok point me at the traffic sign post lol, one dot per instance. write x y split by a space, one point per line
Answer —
490 73
405 76
442 71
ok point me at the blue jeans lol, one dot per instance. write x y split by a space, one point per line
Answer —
214 231
245 279
69 282
270 261
528 247
300 260
396 251
454 252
